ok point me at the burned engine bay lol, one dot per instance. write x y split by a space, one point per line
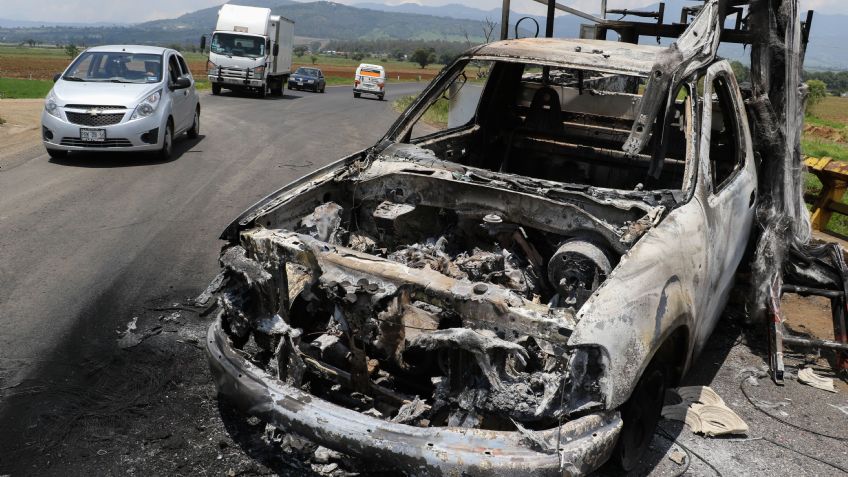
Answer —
431 294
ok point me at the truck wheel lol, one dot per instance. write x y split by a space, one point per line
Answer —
57 153
195 127
216 89
167 143
356 95
640 415
380 97
263 91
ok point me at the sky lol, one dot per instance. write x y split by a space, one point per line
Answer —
134 11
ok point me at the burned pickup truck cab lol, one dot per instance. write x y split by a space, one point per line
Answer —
496 287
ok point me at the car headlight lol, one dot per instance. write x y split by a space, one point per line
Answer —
50 105
147 106
259 71
211 68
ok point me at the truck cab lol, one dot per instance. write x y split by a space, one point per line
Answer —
250 50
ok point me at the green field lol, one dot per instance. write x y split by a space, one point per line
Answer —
20 88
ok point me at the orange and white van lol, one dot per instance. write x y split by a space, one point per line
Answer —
370 79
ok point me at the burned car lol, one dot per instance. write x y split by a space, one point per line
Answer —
508 291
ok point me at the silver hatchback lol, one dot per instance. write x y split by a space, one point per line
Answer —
123 98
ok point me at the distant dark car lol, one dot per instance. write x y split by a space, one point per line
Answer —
308 78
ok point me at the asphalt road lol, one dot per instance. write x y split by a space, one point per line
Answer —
83 238
89 242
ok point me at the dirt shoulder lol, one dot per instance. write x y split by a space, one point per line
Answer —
19 134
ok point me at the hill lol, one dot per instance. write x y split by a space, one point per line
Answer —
315 19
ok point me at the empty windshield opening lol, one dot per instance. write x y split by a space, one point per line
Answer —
556 123
118 67
233 44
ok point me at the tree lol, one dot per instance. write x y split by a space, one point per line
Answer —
315 47
31 42
71 50
488 29
446 58
358 56
314 59
300 50
399 55
423 57
742 72
816 91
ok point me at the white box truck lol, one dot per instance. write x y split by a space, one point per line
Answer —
250 50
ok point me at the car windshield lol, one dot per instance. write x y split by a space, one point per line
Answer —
232 44
307 72
116 67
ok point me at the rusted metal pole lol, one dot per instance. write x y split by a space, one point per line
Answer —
505 20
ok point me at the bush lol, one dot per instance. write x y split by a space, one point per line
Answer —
816 92
71 50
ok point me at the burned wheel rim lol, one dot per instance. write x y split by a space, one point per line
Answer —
640 416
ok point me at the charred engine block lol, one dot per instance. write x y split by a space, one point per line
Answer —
403 351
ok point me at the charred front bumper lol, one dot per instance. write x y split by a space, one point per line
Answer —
585 443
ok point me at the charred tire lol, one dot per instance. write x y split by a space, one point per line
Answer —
216 89
356 95
640 414
57 153
167 150
195 127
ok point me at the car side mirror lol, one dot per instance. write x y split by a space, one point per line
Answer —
56 77
276 49
202 43
182 82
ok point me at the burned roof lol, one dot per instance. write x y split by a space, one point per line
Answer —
599 55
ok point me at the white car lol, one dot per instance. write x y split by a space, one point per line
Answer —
121 97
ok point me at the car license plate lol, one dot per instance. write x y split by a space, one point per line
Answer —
93 135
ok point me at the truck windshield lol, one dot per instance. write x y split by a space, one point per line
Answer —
232 44
117 67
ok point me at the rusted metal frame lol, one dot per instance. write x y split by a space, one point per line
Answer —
695 49
598 153
775 333
553 4
840 327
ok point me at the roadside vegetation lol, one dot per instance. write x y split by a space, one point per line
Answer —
12 88
436 115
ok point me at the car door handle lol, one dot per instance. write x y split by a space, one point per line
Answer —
753 198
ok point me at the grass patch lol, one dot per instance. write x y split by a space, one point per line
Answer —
436 115
11 88
821 148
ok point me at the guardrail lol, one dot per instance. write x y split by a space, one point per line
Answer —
833 175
